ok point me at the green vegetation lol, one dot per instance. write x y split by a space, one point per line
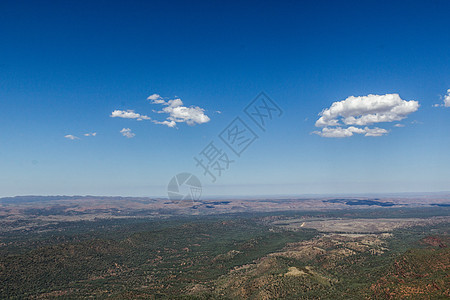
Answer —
222 257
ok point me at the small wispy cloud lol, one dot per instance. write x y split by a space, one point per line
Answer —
154 97
445 99
90 134
170 123
340 132
71 137
128 114
399 125
178 113
126 132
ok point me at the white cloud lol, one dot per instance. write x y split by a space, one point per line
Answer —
339 132
128 114
167 123
447 99
399 125
71 137
375 131
126 132
174 108
367 110
154 97
90 134
362 111
178 113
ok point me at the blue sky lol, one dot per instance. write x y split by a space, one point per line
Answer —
65 66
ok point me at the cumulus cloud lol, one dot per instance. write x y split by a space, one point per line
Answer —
71 137
178 113
128 114
90 134
367 110
126 132
362 111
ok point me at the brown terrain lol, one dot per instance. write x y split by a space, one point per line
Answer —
41 211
